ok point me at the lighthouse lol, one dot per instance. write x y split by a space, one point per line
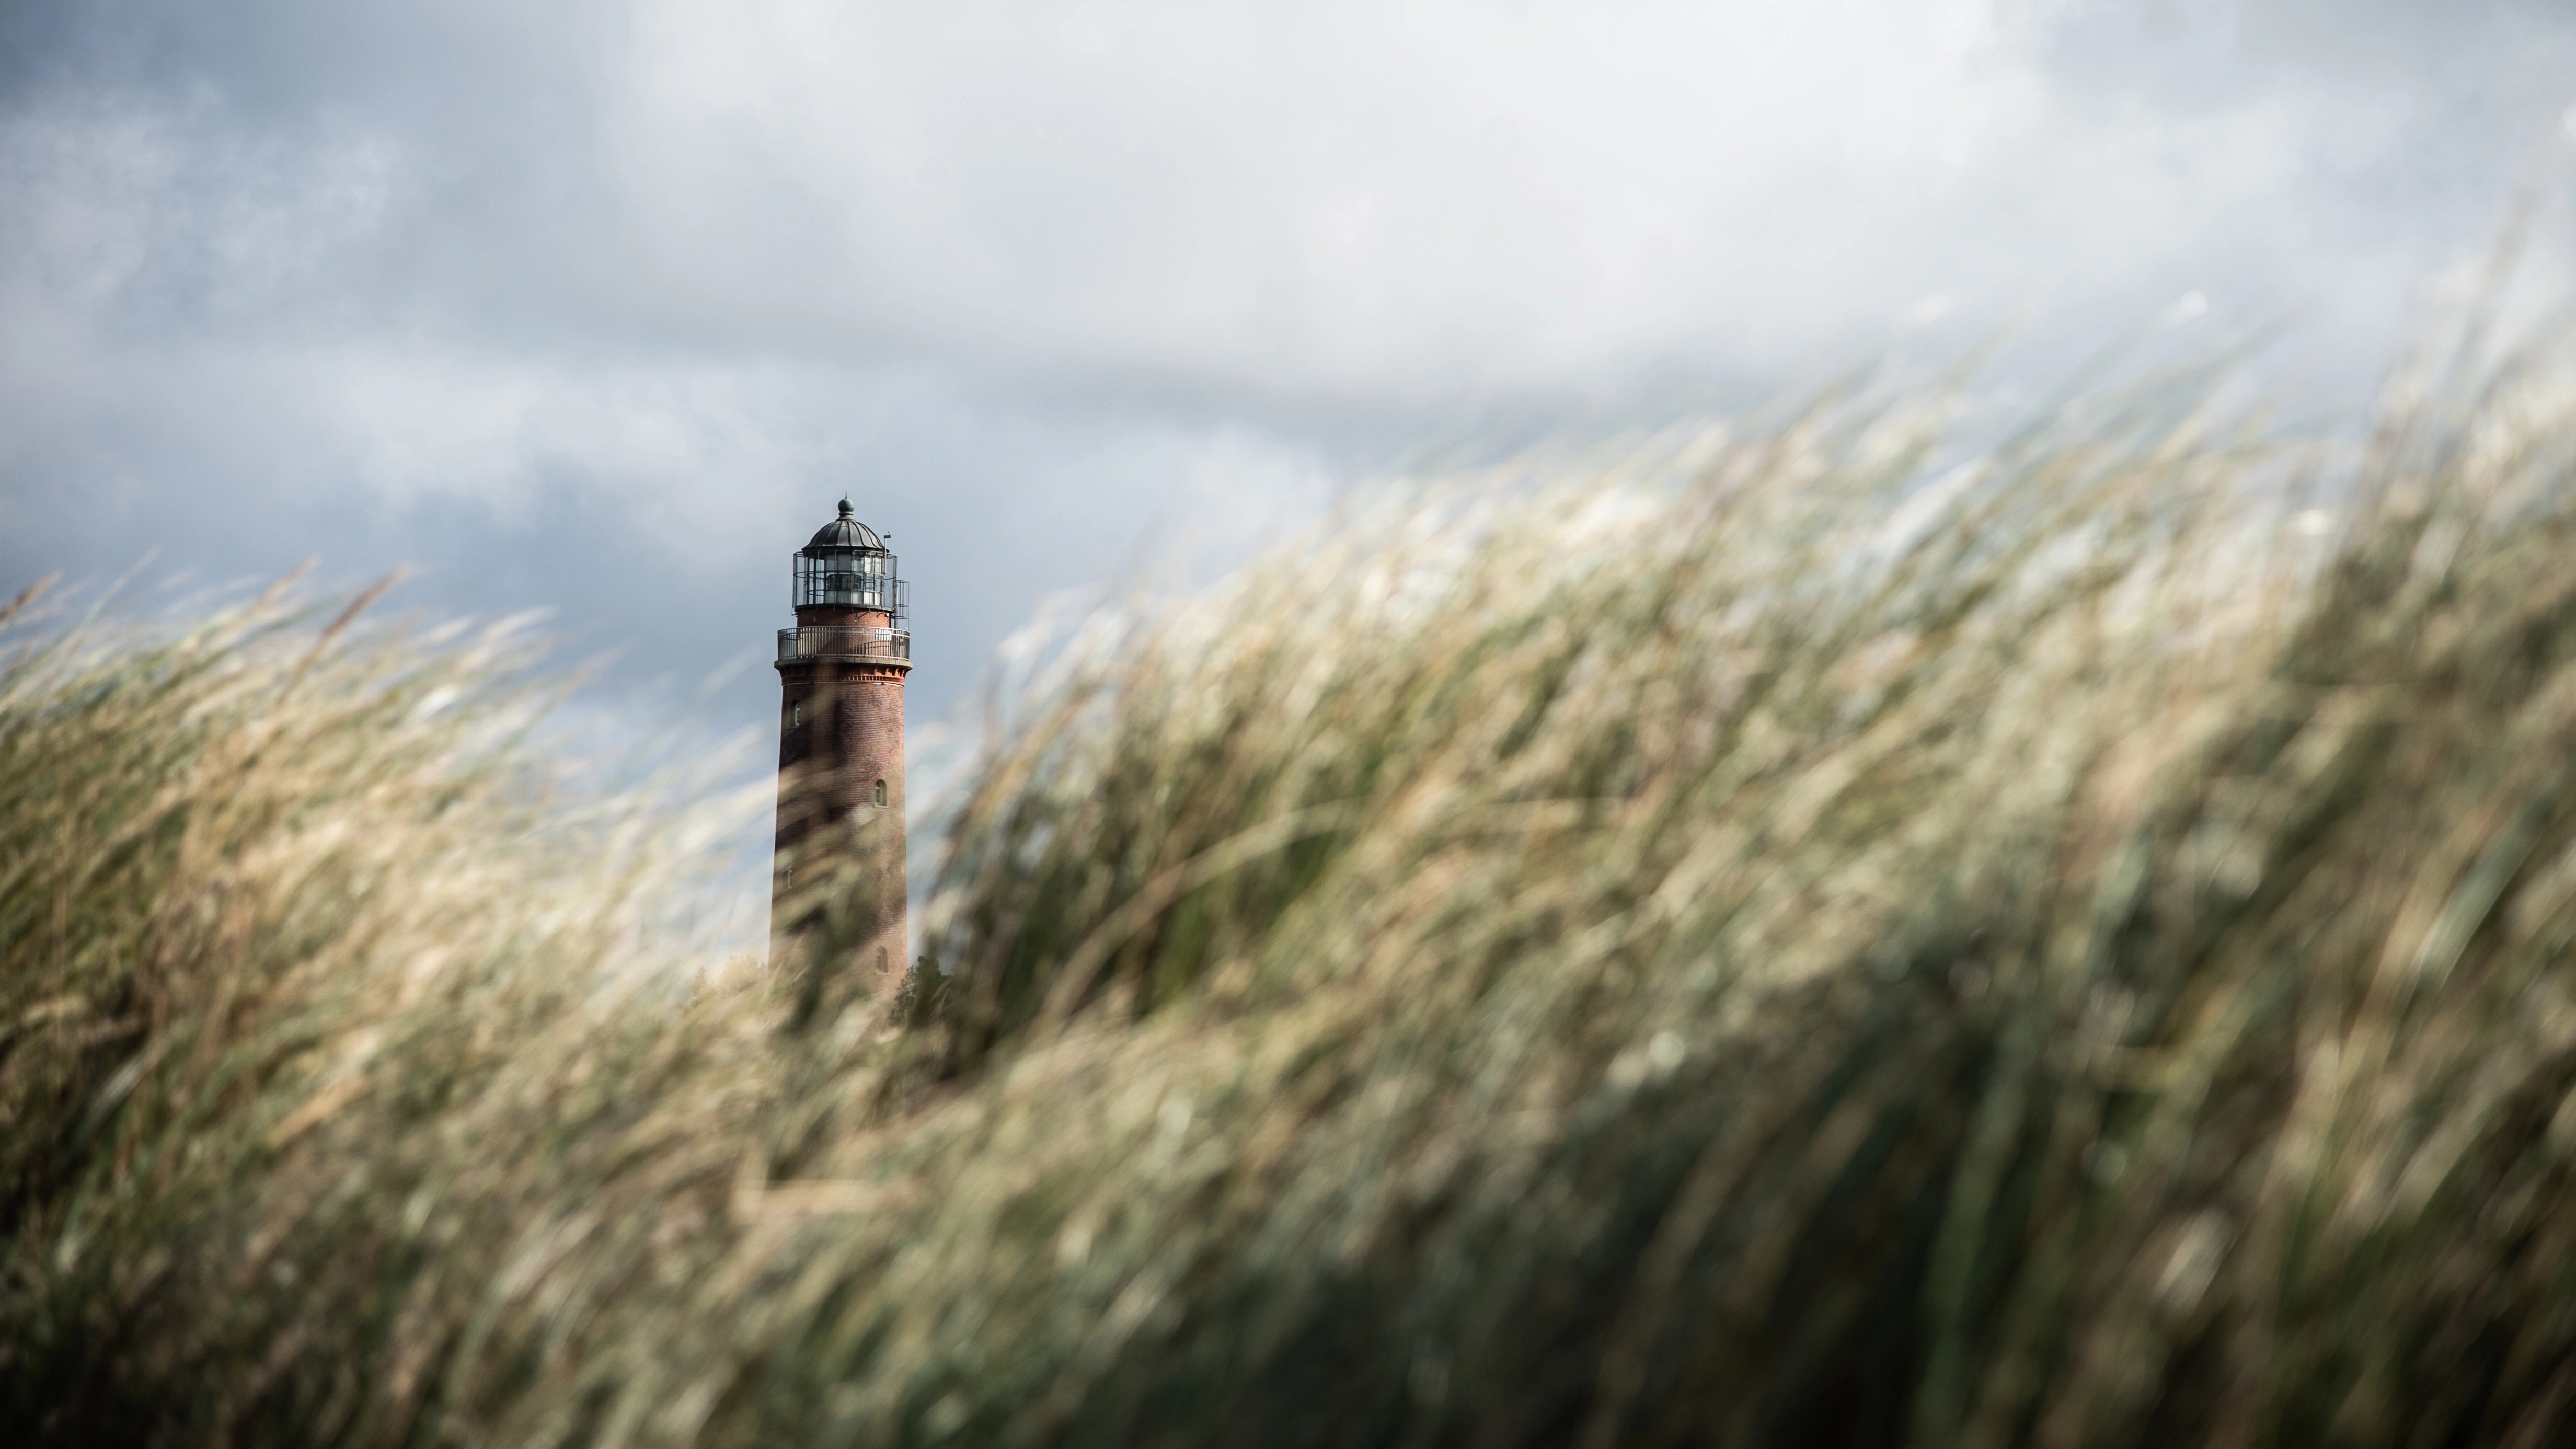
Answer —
840 751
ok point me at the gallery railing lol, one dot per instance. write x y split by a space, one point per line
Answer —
844 641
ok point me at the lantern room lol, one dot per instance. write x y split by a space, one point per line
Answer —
847 566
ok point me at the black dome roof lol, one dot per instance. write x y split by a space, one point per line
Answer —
845 532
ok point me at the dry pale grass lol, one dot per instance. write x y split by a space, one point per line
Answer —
1782 939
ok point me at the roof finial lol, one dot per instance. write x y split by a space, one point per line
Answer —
845 508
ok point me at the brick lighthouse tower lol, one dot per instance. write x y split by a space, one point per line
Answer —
840 749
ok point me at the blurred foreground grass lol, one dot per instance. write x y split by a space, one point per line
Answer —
1782 939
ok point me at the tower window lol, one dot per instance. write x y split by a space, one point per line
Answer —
796 713
881 792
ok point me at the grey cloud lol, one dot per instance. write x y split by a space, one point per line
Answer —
598 307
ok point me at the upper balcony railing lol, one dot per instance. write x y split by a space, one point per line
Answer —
844 641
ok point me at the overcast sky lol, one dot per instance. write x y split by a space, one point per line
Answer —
599 307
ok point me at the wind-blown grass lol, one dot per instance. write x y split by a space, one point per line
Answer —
1783 938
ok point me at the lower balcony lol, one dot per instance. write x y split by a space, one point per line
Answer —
844 641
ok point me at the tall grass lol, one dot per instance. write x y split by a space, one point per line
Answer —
1781 937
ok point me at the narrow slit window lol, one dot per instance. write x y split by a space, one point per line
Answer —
796 714
881 792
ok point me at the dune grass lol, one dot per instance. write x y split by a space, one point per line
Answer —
1813 935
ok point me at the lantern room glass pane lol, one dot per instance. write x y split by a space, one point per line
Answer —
848 579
